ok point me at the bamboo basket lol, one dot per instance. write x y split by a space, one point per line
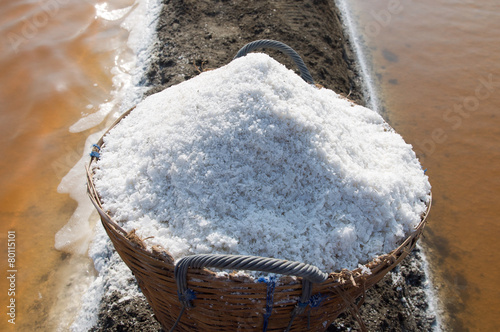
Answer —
233 303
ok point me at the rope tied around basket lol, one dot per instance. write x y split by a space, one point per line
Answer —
313 301
316 300
309 274
187 296
95 151
271 285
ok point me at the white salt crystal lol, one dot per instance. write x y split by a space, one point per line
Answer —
250 159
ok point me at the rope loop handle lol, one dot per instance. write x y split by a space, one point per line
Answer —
241 262
277 45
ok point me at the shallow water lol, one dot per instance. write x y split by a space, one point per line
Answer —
437 68
55 61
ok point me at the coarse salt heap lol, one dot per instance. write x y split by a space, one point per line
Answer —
250 159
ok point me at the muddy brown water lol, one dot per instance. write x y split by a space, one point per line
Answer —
55 67
437 69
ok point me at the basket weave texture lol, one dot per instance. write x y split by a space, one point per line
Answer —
234 303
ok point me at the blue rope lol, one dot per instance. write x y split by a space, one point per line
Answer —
187 296
185 299
316 300
95 154
303 304
271 284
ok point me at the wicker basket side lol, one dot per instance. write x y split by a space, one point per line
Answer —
232 303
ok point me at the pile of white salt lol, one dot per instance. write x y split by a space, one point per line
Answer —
250 159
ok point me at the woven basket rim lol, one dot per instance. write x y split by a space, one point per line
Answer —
373 264
154 270
135 240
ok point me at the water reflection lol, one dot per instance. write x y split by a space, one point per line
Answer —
437 68
55 66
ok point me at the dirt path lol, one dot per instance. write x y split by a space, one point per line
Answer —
197 34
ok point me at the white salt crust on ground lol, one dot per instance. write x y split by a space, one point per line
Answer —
250 159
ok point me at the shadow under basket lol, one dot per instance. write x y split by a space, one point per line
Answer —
231 303
197 299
